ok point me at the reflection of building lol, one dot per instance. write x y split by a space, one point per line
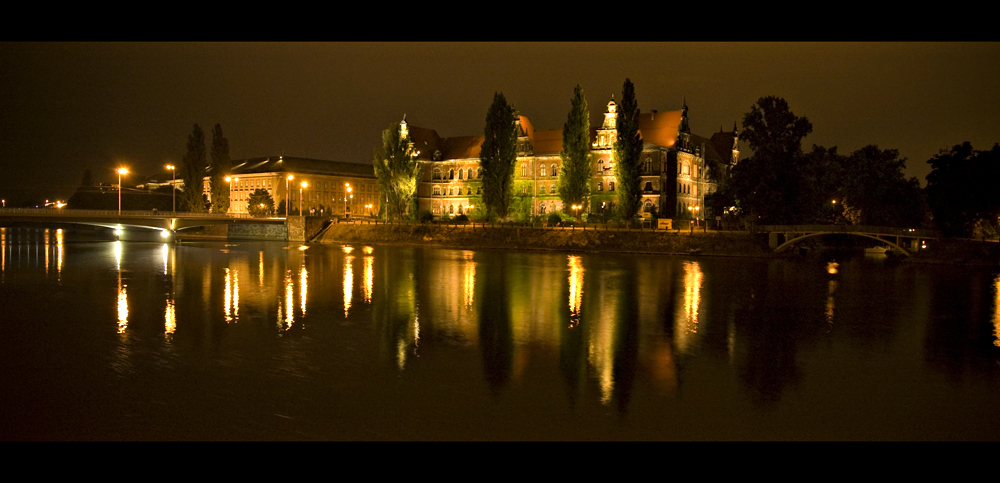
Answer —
678 168
326 190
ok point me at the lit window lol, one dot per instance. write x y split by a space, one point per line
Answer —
524 170
542 171
600 186
555 170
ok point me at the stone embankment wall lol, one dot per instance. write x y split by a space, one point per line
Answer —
507 237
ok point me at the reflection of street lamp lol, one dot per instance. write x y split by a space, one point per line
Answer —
289 178
121 171
173 187
301 186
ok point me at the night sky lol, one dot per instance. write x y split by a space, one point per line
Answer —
65 107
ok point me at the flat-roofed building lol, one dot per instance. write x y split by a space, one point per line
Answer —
332 187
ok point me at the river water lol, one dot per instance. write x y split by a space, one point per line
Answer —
272 341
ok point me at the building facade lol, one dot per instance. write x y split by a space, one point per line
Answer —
331 188
678 168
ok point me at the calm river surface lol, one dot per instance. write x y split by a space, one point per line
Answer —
267 341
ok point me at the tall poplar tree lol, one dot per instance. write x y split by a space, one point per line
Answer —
577 159
193 172
628 150
221 165
397 170
498 156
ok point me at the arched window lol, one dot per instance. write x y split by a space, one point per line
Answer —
541 189
542 171
524 170
468 174
600 186
451 209
611 185
437 173
649 186
437 191
555 170
552 189
600 166
649 165
541 209
451 174
460 173
468 190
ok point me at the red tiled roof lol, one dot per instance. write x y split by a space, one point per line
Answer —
660 128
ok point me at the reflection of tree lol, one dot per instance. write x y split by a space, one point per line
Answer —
394 306
495 331
626 347
769 329
960 338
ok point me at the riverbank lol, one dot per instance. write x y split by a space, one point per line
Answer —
563 239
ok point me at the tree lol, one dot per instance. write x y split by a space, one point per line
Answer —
772 185
577 159
877 192
397 170
221 166
260 203
628 150
193 172
497 157
960 190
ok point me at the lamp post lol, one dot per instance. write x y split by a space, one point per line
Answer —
347 192
173 187
229 184
287 179
576 211
301 186
121 171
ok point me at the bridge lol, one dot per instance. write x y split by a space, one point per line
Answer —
905 240
166 223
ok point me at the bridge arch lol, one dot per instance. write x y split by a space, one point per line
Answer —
799 238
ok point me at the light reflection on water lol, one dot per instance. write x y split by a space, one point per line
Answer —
650 336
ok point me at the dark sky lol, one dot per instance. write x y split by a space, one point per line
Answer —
65 107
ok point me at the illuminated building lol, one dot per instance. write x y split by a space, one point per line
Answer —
678 168
327 185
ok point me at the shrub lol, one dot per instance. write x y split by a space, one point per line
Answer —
461 219
424 216
554 219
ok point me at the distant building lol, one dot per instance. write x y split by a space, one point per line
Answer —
332 187
678 168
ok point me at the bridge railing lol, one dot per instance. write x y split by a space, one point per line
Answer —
63 212
880 230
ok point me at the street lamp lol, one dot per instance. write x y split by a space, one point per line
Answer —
347 187
173 187
229 184
576 210
301 186
289 178
121 171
